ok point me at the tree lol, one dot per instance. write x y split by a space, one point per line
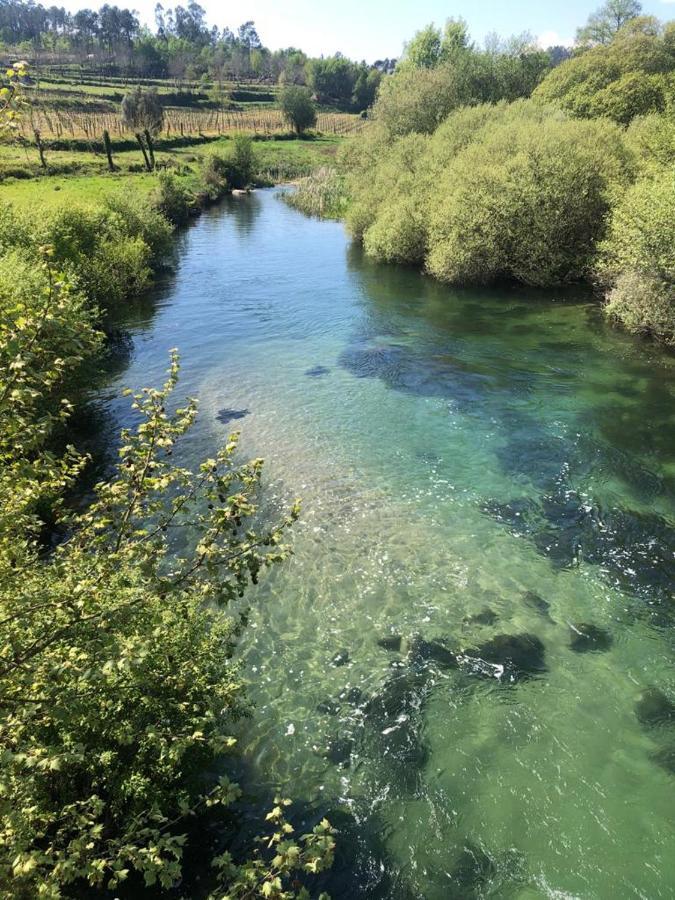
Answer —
142 111
605 22
333 79
297 107
424 50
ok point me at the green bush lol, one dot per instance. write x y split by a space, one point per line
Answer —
516 191
172 199
102 251
138 218
644 305
526 204
419 99
636 262
631 76
652 140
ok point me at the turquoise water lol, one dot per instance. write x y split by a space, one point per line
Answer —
498 454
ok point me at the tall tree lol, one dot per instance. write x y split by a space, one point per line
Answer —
604 23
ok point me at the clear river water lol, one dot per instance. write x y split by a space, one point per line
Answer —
468 662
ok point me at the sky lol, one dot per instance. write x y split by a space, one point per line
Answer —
376 29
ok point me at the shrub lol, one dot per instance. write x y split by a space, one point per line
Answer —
138 218
419 99
629 77
106 255
387 174
652 140
636 261
643 305
513 191
172 199
526 204
214 174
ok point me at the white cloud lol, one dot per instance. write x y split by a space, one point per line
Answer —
553 39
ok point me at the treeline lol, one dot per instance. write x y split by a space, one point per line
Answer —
481 174
183 47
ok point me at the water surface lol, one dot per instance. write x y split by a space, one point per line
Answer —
473 464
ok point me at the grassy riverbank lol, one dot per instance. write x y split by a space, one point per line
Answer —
82 176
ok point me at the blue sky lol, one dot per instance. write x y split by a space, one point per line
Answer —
374 29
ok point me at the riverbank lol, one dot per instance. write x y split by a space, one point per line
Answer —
75 173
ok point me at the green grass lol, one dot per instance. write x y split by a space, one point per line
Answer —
90 189
278 160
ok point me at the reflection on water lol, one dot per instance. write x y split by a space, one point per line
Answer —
472 643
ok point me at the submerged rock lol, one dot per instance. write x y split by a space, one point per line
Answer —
470 873
510 657
231 415
585 637
339 751
353 696
654 708
317 371
537 603
329 707
421 652
665 757
393 725
341 658
486 616
391 642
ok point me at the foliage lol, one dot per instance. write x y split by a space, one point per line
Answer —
241 163
10 96
337 80
430 46
47 328
419 99
263 877
652 141
321 194
235 170
636 261
172 199
116 674
526 204
442 71
631 76
142 109
509 191
297 107
605 22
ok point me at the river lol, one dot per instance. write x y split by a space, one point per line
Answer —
485 474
